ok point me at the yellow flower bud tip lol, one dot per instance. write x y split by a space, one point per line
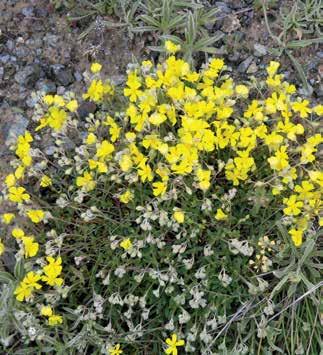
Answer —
179 216
126 244
172 47
96 68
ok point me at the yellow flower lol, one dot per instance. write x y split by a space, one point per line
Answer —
104 150
179 216
55 319
23 291
297 236
125 162
126 197
27 286
173 343
172 47
10 180
159 188
7 218
293 206
48 99
45 181
18 233
272 68
220 215
116 350
2 248
18 194
130 136
90 139
72 105
30 247
86 182
302 108
46 311
97 90
52 270
96 67
242 90
126 244
36 216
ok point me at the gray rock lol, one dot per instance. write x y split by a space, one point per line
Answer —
259 50
78 76
234 57
9 71
4 58
243 66
10 44
28 11
21 52
252 68
60 90
46 86
14 125
51 39
50 150
319 90
118 79
223 7
86 108
1 72
28 76
61 74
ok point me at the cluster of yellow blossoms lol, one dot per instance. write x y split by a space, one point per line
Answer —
180 126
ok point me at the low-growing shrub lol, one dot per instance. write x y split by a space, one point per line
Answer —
180 215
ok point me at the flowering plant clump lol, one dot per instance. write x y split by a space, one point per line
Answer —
143 227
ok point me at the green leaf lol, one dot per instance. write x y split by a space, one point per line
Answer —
5 277
303 43
19 270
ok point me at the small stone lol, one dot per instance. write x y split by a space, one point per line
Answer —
62 75
4 58
86 108
46 86
1 72
78 76
259 50
252 68
9 71
50 150
14 125
28 76
10 45
118 79
28 11
234 57
243 66
319 90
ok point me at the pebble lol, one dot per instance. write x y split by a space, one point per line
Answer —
28 11
46 86
86 108
243 66
28 76
259 50
252 68
61 74
14 126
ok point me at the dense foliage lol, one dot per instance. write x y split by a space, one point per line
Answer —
181 215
